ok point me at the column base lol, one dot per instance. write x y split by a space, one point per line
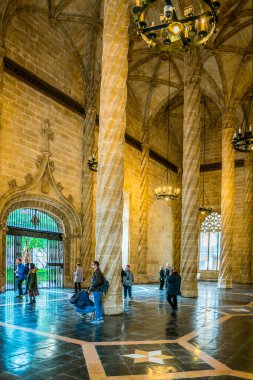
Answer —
188 293
224 283
113 307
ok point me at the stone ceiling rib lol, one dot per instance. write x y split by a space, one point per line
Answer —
60 7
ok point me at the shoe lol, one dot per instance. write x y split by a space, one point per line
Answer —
131 298
101 320
21 296
81 315
96 322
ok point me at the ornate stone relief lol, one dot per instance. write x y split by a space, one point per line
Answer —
18 197
44 175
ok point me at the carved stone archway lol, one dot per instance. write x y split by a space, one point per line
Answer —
66 214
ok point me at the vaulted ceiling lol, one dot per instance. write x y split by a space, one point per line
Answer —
226 64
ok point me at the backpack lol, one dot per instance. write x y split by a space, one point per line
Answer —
105 285
74 298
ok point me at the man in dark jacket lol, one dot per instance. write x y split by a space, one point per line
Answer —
173 289
161 276
95 288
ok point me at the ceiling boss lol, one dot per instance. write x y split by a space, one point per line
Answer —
173 30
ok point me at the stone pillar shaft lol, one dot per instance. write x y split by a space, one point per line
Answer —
190 179
109 208
246 266
87 190
177 225
227 202
143 224
2 233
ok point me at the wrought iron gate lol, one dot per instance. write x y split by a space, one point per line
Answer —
25 238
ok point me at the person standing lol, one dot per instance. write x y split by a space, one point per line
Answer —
161 276
27 268
128 281
95 288
173 289
167 274
20 276
78 277
32 284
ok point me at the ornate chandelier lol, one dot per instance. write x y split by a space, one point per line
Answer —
171 32
169 191
243 139
204 208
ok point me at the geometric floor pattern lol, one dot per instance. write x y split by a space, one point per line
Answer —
211 337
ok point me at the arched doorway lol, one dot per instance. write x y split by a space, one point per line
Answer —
35 234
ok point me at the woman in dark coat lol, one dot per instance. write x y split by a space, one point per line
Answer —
32 284
173 289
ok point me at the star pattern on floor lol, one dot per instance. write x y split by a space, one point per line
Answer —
148 356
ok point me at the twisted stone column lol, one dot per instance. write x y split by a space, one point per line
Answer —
227 202
87 190
190 179
1 80
2 232
177 225
246 266
143 221
111 149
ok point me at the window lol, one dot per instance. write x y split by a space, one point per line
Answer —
209 247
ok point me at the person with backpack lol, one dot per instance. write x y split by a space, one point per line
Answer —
96 287
128 281
84 306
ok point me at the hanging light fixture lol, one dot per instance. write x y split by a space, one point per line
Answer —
204 208
168 191
93 163
171 32
243 139
35 220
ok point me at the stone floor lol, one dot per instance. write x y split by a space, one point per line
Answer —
210 337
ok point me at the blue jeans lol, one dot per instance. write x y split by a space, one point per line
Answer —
86 310
127 289
98 304
19 285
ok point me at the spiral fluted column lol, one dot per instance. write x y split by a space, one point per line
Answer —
1 78
246 260
177 225
143 221
87 190
190 179
227 202
2 233
113 95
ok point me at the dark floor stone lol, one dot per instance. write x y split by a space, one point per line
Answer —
24 355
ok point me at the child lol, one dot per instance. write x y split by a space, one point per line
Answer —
32 284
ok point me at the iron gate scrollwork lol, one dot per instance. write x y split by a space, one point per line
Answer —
36 235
